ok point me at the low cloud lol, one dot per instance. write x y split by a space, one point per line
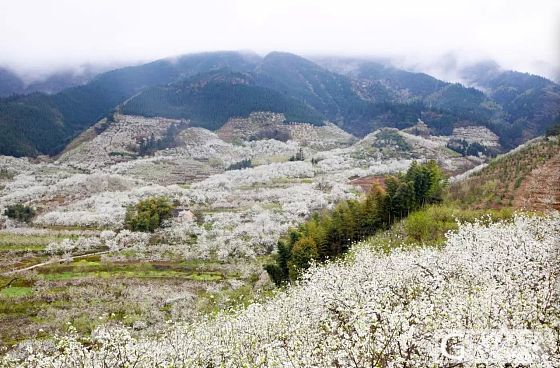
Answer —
45 35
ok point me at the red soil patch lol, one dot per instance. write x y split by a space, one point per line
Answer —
367 182
541 189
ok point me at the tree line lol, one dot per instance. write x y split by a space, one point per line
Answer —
329 234
243 164
147 146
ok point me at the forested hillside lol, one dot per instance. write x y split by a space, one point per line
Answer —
43 124
13 84
359 96
516 106
210 99
330 234
9 82
325 91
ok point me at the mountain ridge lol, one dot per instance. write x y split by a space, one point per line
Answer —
367 96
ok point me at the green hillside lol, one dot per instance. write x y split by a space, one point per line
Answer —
43 124
209 100
507 180
515 106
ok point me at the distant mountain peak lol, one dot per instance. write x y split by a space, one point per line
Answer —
359 95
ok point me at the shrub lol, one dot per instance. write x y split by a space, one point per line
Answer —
20 212
149 214
329 234
429 225
554 129
243 164
5 174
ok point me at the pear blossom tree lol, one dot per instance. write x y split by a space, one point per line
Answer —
370 310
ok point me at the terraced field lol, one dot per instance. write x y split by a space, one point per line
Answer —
75 264
92 290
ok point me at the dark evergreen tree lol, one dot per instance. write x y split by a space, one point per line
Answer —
243 164
20 212
326 235
299 156
148 214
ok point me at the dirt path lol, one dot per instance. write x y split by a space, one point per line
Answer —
541 189
29 268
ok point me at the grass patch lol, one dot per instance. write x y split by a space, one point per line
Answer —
94 268
428 227
28 308
16 291
215 302
12 240
85 262
21 247
205 276
431 224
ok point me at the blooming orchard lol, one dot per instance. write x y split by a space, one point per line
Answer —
244 211
370 310
377 310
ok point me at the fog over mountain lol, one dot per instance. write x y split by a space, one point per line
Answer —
279 183
438 37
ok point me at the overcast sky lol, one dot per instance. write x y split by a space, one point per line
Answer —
46 34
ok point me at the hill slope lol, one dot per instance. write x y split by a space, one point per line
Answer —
516 106
337 98
393 308
210 99
26 119
9 83
325 91
358 95
531 102
526 178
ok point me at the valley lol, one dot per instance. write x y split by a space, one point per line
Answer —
272 204
210 254
358 95
279 184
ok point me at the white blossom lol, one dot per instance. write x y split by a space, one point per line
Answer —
375 309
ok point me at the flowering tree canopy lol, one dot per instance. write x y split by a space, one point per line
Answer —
376 310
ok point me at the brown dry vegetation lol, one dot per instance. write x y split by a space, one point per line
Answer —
367 182
541 189
526 179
